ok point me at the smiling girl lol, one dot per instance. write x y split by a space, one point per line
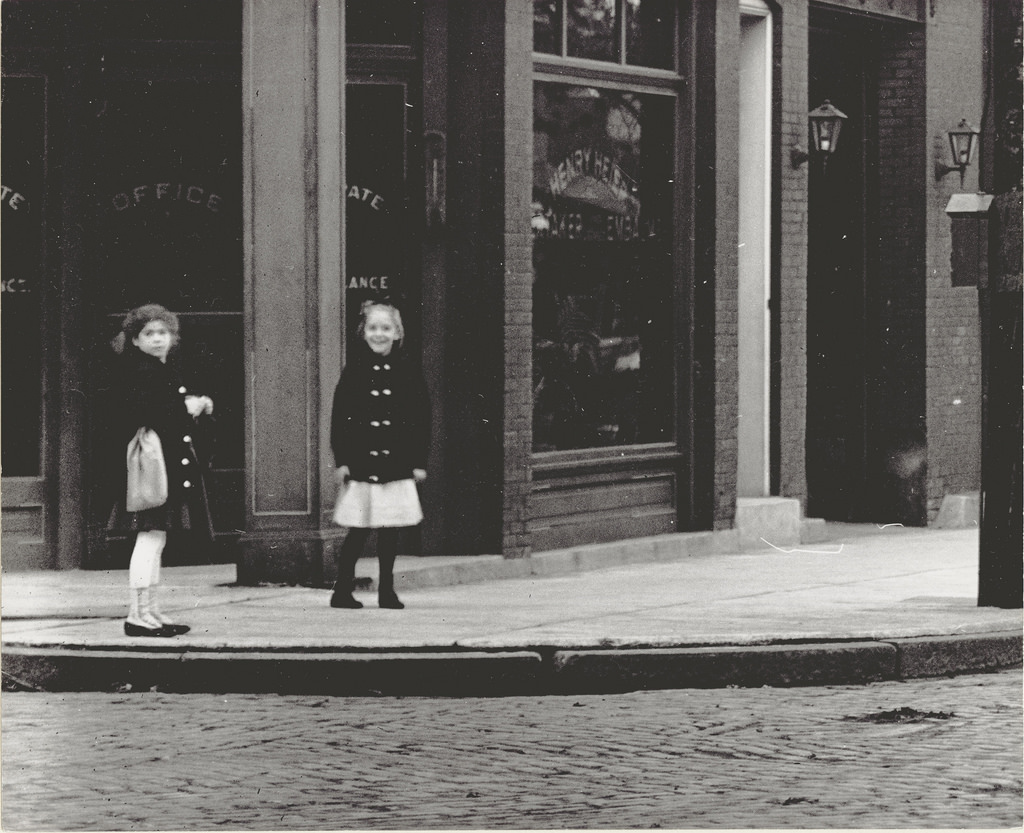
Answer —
380 432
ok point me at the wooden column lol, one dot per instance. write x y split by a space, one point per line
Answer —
293 86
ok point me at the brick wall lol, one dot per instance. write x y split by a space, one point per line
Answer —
714 312
518 330
953 348
791 296
727 110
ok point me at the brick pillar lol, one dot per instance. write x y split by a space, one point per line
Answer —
518 434
791 295
715 305
954 50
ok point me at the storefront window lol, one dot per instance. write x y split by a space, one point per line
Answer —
602 219
21 199
639 33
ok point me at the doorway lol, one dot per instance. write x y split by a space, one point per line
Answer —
866 438
384 195
160 168
842 63
122 147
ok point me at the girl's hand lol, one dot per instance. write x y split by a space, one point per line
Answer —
341 475
419 475
198 405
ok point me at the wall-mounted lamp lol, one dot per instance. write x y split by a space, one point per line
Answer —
826 122
963 139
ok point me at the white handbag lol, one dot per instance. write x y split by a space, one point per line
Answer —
147 472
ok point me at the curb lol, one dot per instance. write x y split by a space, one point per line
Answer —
934 656
354 674
506 673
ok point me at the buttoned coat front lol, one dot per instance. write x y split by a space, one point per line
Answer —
151 394
380 421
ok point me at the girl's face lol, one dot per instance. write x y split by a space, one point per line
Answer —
380 331
155 340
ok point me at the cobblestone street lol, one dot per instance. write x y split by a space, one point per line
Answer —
927 753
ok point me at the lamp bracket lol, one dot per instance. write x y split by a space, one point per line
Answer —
941 169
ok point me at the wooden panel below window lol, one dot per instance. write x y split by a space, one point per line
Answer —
572 513
25 554
23 521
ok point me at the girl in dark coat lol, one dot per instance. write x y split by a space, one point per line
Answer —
380 432
153 396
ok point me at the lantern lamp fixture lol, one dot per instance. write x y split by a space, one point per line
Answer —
826 121
963 142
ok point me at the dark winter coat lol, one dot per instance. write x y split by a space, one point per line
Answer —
151 395
380 422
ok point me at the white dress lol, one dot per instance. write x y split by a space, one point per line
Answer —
373 505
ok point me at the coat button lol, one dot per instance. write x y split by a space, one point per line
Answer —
182 389
184 461
187 484
186 439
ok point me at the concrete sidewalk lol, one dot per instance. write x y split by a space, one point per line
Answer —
673 611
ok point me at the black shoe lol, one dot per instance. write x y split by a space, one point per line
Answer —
345 600
389 599
175 629
141 630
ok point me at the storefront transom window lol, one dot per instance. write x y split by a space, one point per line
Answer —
633 32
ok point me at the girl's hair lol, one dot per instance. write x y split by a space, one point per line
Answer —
136 320
396 316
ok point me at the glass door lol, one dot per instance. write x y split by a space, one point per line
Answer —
382 245
166 227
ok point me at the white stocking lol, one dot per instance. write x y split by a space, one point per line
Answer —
149 546
144 564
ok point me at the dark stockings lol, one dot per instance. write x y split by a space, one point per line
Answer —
387 551
351 550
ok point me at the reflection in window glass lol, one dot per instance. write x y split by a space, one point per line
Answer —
547 26
602 201
593 30
650 33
